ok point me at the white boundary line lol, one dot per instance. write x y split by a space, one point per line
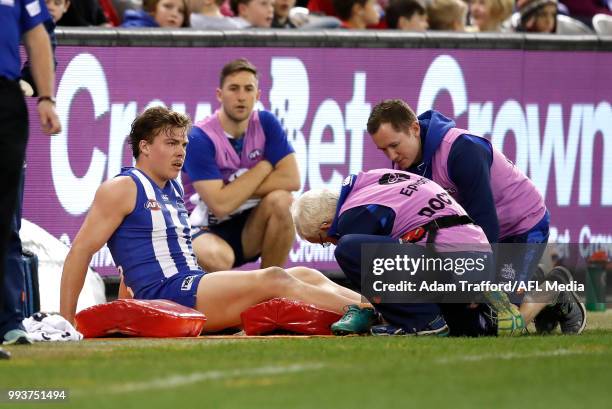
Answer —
514 355
175 381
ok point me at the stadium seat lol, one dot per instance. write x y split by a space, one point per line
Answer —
568 25
140 318
602 23
565 25
280 314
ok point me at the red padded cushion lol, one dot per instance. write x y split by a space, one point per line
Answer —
287 315
140 318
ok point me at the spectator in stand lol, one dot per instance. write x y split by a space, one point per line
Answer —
121 6
357 14
408 15
322 7
281 14
446 15
206 15
488 15
82 13
253 13
584 10
537 16
57 8
158 13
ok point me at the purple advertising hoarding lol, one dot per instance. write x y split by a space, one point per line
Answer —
549 112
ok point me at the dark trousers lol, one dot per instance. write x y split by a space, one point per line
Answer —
410 316
461 319
13 142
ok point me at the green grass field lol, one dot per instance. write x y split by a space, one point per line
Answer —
352 372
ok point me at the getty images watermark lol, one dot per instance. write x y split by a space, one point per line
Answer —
415 273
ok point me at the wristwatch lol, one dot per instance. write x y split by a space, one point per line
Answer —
46 98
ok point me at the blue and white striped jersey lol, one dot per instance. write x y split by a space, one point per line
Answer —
153 242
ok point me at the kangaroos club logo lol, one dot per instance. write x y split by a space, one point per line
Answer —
255 154
392 178
152 204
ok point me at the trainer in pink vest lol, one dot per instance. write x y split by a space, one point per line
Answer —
415 200
518 203
226 157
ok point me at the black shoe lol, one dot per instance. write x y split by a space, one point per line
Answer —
4 354
567 311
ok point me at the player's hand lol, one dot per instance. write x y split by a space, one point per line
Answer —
49 122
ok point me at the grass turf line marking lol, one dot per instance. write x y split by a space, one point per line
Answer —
515 355
175 381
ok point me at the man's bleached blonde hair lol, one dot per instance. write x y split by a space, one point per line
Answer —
312 209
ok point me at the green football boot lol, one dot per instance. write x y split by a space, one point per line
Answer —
355 321
510 322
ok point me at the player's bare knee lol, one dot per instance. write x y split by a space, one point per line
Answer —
304 273
278 204
275 278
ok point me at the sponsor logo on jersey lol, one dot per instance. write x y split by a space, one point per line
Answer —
392 178
348 180
165 198
33 8
508 272
254 154
187 283
152 204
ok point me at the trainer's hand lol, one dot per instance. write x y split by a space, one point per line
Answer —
49 122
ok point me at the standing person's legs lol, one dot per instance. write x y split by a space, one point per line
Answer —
269 230
222 296
13 141
14 284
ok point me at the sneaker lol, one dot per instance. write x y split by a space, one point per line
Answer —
437 327
538 274
510 322
16 337
4 354
355 321
568 311
546 321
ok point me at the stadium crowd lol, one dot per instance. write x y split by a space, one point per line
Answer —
536 16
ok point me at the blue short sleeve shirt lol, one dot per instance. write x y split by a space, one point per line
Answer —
16 18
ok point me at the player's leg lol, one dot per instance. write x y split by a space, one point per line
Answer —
422 318
519 256
212 252
316 278
269 230
222 296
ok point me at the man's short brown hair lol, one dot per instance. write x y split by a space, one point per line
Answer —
152 122
391 111
232 67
